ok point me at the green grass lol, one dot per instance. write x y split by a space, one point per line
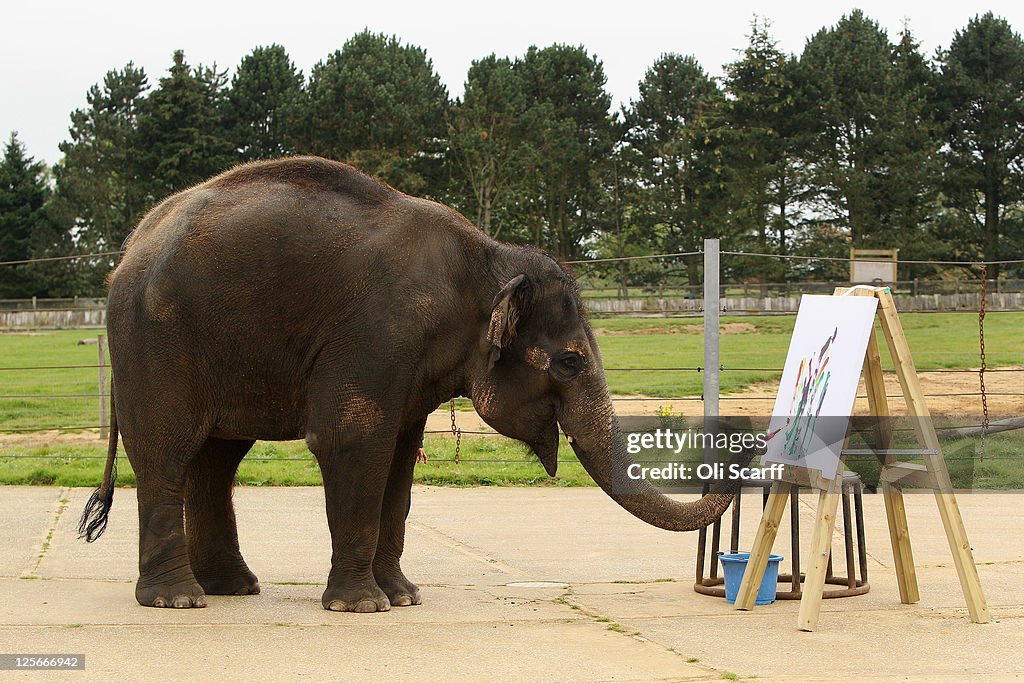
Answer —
938 340
48 349
483 464
291 464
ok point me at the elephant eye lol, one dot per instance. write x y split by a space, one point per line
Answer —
567 364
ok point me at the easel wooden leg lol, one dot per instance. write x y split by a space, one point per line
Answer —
821 548
899 536
952 522
963 558
895 509
762 548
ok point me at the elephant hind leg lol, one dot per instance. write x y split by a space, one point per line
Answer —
210 519
165 572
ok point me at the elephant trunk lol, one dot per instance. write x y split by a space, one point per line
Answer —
601 448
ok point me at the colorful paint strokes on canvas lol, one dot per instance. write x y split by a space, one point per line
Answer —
808 395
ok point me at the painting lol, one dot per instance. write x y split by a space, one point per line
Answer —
819 382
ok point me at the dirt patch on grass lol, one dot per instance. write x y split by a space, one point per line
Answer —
725 328
89 437
946 393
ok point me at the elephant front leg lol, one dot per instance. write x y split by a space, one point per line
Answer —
354 482
387 568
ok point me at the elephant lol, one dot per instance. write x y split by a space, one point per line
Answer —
299 298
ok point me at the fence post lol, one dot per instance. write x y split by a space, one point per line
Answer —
712 318
101 344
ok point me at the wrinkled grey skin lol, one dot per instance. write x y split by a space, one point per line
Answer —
298 298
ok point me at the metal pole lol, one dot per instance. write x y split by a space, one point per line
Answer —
712 316
101 344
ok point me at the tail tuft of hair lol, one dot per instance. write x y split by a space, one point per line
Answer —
97 509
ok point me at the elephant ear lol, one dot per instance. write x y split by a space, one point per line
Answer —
506 311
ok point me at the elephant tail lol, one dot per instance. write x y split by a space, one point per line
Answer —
94 517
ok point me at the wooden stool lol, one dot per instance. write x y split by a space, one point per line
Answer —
713 584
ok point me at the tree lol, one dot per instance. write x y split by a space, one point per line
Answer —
871 135
182 137
766 137
379 105
621 234
99 194
983 91
23 195
570 140
487 137
263 104
675 155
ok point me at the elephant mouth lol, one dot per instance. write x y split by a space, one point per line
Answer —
545 446
548 458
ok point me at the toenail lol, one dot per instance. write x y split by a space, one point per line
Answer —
365 606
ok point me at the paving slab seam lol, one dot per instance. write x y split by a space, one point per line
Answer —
463 548
62 504
567 599
951 566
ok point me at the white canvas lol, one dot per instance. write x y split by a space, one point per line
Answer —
819 381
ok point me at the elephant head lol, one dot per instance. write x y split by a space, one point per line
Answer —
540 368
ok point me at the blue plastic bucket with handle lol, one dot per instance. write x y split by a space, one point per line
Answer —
734 564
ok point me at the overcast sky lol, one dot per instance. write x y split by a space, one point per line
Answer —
51 52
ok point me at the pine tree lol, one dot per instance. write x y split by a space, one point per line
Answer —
766 136
570 138
99 191
870 141
379 105
488 147
264 104
983 92
23 196
183 138
911 191
675 154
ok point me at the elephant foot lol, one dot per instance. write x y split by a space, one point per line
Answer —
242 582
180 595
401 591
366 598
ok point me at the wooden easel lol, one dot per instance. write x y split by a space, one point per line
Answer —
932 474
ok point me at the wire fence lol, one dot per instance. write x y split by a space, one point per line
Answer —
46 428
623 299
65 388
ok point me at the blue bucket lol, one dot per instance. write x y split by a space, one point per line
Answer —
734 564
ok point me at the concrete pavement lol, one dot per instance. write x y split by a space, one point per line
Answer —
518 584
